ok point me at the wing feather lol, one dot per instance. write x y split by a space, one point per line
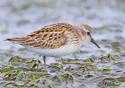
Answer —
51 36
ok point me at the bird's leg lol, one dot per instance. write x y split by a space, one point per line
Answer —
44 60
85 63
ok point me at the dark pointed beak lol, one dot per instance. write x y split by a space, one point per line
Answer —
93 41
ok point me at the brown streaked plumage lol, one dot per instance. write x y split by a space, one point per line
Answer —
51 36
56 40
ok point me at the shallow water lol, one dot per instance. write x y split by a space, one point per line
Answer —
106 17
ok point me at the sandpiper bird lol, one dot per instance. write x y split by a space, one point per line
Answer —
56 40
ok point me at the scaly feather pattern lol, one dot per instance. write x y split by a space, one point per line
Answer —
50 36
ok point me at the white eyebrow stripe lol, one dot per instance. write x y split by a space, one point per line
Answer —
85 29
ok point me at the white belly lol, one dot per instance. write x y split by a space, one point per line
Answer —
57 52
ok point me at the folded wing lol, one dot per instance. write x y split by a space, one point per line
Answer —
51 36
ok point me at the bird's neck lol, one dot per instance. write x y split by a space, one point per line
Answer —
81 33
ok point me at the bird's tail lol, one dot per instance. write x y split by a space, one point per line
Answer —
20 40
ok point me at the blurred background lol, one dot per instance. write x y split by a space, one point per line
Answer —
18 18
106 17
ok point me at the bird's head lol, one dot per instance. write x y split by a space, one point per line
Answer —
88 33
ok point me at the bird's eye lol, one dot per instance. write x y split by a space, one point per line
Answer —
88 33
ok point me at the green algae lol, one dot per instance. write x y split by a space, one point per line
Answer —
31 73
